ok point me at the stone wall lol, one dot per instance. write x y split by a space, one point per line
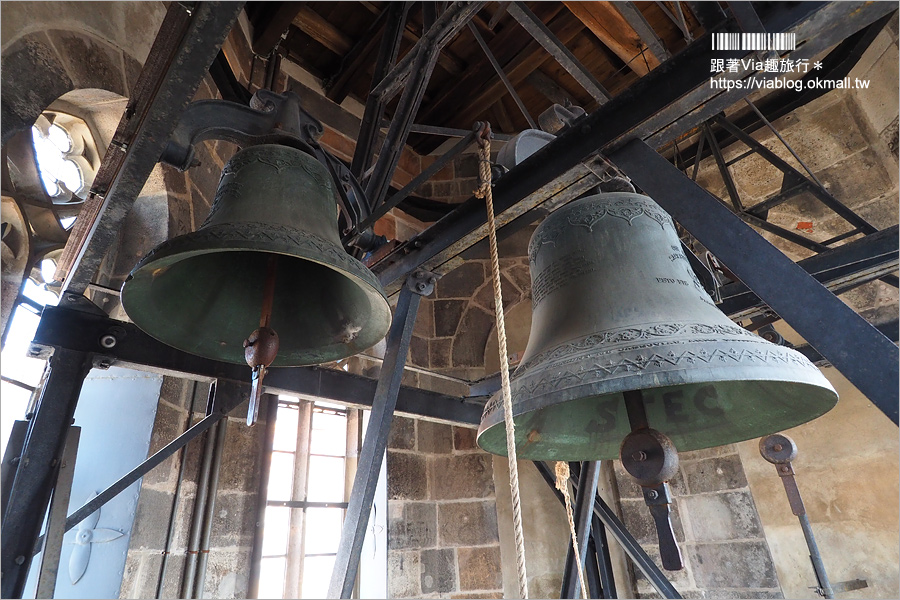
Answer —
442 521
716 525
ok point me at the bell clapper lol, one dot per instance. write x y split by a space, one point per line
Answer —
650 457
261 346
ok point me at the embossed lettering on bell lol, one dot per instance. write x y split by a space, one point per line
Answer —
202 292
616 307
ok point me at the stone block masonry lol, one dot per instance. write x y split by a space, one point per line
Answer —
442 514
717 527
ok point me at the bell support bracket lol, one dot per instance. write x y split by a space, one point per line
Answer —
650 457
780 450
270 119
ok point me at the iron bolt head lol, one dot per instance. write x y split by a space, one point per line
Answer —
785 469
421 286
653 494
108 341
777 447
20 560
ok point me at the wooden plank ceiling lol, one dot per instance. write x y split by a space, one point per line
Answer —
337 42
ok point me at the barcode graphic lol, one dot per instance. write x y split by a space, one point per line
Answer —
754 41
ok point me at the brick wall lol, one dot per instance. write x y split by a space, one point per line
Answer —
442 517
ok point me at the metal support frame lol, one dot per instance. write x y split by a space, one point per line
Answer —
659 107
838 269
425 56
614 525
36 470
418 180
542 34
862 353
11 457
162 101
374 111
63 327
346 563
502 75
584 505
56 518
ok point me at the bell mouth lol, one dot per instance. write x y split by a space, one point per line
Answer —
195 295
693 416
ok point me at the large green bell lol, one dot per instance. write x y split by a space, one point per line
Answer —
203 292
617 308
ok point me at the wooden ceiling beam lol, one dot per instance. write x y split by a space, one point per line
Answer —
269 25
353 63
611 28
462 91
318 28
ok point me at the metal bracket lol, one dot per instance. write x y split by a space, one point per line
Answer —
270 119
780 450
422 282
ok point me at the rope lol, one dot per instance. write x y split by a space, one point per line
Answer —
484 191
562 484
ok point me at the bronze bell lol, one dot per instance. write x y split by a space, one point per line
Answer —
273 223
617 308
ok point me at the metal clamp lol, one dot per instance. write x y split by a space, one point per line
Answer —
422 282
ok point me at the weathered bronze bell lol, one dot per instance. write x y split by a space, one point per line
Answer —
617 308
203 292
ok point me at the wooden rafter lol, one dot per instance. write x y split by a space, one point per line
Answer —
318 28
611 28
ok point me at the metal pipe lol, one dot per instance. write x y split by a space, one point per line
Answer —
261 491
815 557
193 546
587 489
164 567
209 509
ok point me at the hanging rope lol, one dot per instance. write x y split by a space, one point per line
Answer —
484 191
562 484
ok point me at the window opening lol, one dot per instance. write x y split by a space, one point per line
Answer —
306 498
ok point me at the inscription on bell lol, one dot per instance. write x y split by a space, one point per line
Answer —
671 280
560 272
676 408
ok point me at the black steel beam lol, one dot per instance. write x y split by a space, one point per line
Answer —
862 353
210 22
375 104
671 92
80 330
839 269
425 56
890 329
583 511
782 165
617 529
371 456
35 474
